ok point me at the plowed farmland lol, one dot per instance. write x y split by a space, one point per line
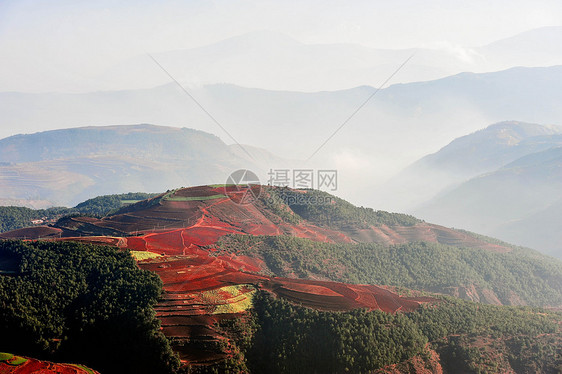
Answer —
12 364
201 288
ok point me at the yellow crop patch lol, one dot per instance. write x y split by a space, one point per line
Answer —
229 299
143 255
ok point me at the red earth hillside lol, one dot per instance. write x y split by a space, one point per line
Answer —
173 235
182 220
12 364
200 290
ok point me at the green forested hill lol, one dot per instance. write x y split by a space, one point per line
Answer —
517 277
13 217
93 305
324 209
76 302
16 217
280 337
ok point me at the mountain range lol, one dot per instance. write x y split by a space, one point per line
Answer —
275 61
387 134
502 181
64 167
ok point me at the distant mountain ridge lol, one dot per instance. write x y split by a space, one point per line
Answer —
520 188
504 181
383 137
64 167
526 94
494 147
466 157
536 47
275 61
123 140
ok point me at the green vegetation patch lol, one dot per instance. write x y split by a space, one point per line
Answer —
103 205
169 196
293 339
195 198
471 337
78 302
5 356
324 209
280 337
17 360
82 367
129 201
535 279
13 217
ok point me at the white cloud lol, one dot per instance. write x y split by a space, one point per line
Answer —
465 54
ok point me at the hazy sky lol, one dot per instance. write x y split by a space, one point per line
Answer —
60 45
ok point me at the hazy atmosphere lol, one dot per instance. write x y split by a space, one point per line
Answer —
280 186
66 46
286 76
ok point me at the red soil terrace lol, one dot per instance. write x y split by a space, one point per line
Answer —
201 288
182 220
32 365
188 316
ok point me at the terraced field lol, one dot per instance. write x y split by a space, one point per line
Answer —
200 290
12 364
174 234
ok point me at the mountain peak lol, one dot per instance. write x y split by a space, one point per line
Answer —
492 147
510 132
545 34
261 37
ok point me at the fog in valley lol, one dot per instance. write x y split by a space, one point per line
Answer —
377 92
